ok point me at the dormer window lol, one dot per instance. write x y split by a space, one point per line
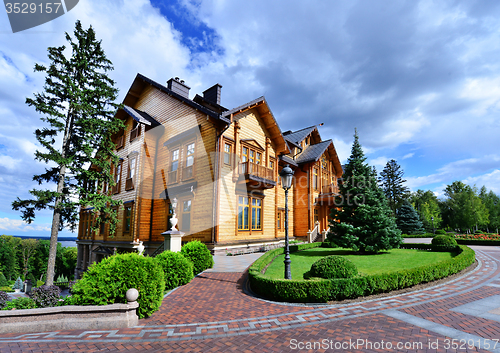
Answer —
136 130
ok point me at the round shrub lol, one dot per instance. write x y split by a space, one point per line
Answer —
107 282
3 299
444 241
176 268
46 296
333 267
199 255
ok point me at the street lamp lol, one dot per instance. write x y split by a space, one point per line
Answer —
286 175
433 229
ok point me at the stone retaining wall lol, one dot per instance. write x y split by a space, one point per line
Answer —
70 317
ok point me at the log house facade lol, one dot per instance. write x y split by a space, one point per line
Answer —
222 166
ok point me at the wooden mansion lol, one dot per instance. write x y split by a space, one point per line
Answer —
220 165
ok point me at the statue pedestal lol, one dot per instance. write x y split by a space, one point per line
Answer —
172 240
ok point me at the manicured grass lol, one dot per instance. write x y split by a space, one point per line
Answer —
396 259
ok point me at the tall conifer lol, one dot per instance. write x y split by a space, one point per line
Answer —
408 220
392 183
76 104
362 220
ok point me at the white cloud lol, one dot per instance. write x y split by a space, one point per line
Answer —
490 180
408 155
16 225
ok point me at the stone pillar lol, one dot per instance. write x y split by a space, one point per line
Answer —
172 240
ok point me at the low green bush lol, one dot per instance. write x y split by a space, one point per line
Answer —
46 296
329 244
7 289
39 283
20 303
444 241
177 269
440 231
107 282
333 267
3 299
199 255
323 290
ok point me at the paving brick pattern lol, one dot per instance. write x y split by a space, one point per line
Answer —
213 313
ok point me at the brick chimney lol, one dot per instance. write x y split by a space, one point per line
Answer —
213 94
179 87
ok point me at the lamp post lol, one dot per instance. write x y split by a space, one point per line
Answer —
433 229
286 175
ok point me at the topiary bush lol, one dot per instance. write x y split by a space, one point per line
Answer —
18 284
333 267
177 269
3 299
199 255
107 282
444 242
46 296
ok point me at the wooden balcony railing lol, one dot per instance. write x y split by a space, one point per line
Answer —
172 177
328 189
129 184
256 170
187 173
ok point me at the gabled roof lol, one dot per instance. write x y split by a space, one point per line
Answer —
312 153
268 119
141 116
298 136
141 81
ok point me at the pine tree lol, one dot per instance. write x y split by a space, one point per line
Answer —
391 180
363 221
408 220
77 103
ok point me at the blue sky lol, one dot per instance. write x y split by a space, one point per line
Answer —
420 80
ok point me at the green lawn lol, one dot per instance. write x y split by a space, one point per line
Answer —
396 259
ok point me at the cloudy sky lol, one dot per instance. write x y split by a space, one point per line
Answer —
420 80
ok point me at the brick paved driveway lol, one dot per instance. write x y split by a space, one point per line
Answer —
214 314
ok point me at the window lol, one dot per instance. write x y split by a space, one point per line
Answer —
281 219
252 156
259 158
315 178
227 153
249 213
186 216
174 165
136 130
120 140
86 224
256 214
117 176
244 154
132 164
187 172
316 215
242 213
127 218
271 164
324 163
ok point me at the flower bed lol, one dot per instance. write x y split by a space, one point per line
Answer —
323 290
478 239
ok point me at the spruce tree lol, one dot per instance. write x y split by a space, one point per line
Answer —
408 220
77 105
362 221
391 181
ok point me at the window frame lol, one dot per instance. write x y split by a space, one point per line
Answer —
227 154
246 214
133 159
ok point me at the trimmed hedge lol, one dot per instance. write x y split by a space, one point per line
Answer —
199 255
107 282
478 242
333 266
177 269
322 290
444 241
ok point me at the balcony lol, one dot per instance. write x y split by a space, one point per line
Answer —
172 177
256 175
187 173
328 194
129 184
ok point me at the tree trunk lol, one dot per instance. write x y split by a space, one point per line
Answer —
56 218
